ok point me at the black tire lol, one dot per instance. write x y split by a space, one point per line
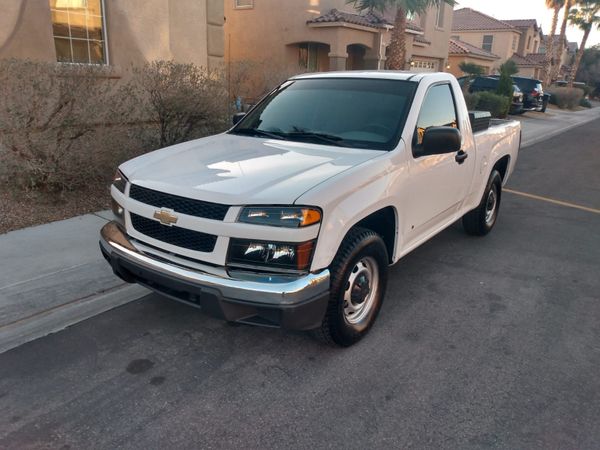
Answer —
360 246
477 222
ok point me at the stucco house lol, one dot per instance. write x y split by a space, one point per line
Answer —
463 52
323 35
519 40
113 32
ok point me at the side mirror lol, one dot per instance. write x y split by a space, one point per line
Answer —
237 117
438 140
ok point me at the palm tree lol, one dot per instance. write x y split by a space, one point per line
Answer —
556 5
561 42
585 18
397 48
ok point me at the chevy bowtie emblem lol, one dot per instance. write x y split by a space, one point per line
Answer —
165 217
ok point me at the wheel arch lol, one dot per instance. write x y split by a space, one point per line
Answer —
384 222
382 219
502 166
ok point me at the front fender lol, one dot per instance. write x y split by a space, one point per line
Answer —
357 195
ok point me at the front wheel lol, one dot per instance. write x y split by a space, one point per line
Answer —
358 281
482 219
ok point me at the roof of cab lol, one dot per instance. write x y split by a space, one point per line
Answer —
372 74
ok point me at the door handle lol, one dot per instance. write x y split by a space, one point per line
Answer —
461 156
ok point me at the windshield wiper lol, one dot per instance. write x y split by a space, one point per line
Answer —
323 137
257 132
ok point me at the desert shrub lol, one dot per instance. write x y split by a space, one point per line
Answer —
471 100
565 98
497 105
180 102
66 126
51 120
249 81
585 103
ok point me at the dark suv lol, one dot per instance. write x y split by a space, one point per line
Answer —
534 98
490 84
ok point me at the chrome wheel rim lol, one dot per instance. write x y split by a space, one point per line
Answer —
490 207
361 290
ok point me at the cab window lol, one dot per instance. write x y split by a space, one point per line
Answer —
438 110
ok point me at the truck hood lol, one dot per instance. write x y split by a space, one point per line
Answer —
238 170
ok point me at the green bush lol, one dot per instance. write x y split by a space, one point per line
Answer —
497 105
585 103
565 98
471 100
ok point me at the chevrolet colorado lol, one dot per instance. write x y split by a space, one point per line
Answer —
292 217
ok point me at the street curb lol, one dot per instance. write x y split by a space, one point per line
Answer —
63 316
557 132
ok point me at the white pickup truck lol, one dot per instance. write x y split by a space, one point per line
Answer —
292 217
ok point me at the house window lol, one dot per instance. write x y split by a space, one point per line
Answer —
308 57
528 42
439 18
243 4
514 44
488 41
426 65
455 37
78 30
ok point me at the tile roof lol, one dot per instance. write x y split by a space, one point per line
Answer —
467 19
522 23
370 19
458 47
537 58
524 61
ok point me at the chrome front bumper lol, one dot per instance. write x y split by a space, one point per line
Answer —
296 302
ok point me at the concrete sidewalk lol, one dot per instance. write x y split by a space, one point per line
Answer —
52 276
538 127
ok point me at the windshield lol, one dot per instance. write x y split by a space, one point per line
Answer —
346 112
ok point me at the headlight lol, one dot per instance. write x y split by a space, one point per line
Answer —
118 211
274 255
276 216
119 181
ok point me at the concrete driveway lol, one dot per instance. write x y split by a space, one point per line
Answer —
482 342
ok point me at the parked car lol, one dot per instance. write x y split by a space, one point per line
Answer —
534 98
292 217
490 84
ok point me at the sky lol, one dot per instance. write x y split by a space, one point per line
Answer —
526 9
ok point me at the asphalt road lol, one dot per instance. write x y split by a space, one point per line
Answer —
482 343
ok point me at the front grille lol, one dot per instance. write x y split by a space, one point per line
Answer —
183 205
180 237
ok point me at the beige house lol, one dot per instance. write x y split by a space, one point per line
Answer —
322 35
113 32
531 35
521 41
463 52
483 31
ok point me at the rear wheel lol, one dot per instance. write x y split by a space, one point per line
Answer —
358 281
482 219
